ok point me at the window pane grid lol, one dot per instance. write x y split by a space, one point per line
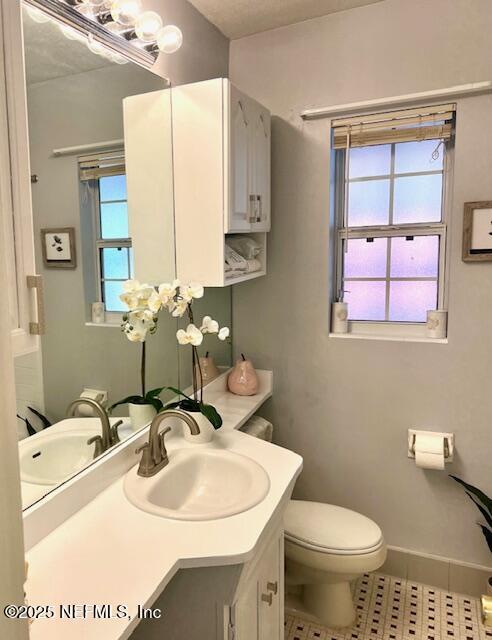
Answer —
405 204
113 267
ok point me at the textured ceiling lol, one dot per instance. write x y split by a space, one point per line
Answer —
238 18
49 54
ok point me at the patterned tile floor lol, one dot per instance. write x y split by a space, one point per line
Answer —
395 609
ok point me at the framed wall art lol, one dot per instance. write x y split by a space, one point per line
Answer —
58 247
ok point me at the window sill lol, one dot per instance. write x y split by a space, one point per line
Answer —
388 338
106 325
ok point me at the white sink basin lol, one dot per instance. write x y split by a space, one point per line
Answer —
200 484
54 457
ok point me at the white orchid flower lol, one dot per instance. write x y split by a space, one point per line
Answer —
131 286
190 291
154 302
131 300
143 316
209 325
137 334
168 291
223 333
135 294
178 309
192 336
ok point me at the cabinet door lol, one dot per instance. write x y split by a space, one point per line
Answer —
260 162
245 613
270 601
239 170
16 234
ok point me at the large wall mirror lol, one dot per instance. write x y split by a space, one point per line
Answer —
83 249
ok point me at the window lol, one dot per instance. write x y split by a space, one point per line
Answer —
390 192
105 180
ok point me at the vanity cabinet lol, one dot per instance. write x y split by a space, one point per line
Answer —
258 612
220 172
16 221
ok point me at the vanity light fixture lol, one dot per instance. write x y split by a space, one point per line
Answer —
125 21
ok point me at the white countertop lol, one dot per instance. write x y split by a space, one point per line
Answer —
110 552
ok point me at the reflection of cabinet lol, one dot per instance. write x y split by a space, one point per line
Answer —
16 232
221 150
258 611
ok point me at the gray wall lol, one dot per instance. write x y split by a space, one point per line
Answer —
80 109
346 405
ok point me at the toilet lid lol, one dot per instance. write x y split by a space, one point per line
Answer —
332 529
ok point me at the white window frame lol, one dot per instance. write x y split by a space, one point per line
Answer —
112 317
390 329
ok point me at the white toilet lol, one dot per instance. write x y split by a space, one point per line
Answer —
327 547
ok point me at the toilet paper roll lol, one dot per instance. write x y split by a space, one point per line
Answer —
429 451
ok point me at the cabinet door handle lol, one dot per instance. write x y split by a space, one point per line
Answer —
252 209
268 598
273 587
37 328
259 212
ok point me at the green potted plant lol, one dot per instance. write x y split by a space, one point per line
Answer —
138 323
484 505
144 304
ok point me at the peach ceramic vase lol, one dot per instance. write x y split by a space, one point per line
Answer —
243 380
208 369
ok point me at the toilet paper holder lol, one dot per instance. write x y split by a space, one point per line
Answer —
448 443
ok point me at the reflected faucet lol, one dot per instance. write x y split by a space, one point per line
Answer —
109 433
154 453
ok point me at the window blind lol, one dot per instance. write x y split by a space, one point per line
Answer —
93 167
409 125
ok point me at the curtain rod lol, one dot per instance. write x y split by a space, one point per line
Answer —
84 148
474 88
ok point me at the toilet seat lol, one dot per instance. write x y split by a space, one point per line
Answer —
329 529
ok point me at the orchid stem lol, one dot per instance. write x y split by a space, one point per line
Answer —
142 369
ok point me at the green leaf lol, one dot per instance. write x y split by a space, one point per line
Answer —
156 403
132 399
178 392
488 535
171 405
211 414
154 392
44 419
487 516
484 499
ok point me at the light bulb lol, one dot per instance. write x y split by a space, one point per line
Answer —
126 12
95 46
169 39
71 33
37 15
148 25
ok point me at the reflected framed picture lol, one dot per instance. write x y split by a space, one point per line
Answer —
477 232
58 247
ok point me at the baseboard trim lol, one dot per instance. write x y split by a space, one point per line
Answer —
443 573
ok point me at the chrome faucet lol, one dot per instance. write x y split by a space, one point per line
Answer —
154 453
109 435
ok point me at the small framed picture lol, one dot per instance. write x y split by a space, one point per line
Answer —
477 232
59 248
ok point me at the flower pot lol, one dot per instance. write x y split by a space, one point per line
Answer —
207 431
243 380
141 415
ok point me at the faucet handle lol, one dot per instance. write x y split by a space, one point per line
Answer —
115 436
98 449
146 463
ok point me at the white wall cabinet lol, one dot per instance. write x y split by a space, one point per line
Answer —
221 142
221 151
16 221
